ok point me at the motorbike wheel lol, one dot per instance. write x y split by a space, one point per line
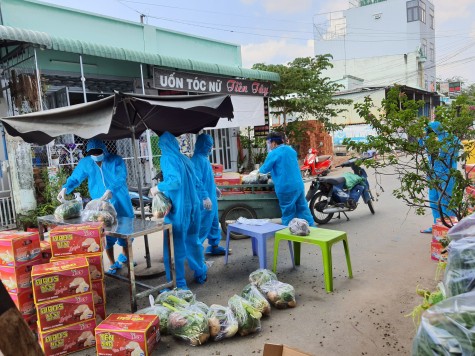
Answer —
370 206
317 204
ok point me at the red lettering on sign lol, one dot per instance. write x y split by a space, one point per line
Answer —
236 86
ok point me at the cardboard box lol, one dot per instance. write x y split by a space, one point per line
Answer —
45 247
282 350
60 279
24 302
100 311
127 334
61 312
98 292
217 170
439 232
19 248
436 251
96 269
17 279
470 170
77 239
68 339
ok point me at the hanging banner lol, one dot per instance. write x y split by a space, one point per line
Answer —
263 130
201 83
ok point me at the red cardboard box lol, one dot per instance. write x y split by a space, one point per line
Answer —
61 312
17 279
77 239
45 247
437 251
217 170
96 269
100 310
24 302
439 232
60 279
68 339
470 170
19 248
127 334
98 292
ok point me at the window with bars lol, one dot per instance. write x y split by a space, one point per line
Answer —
416 11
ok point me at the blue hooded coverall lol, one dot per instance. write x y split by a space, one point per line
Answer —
181 186
111 175
209 218
283 166
441 165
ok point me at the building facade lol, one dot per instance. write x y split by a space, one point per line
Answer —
383 42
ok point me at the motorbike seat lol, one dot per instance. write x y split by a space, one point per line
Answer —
323 158
333 180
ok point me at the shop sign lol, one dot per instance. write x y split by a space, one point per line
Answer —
263 130
174 80
369 2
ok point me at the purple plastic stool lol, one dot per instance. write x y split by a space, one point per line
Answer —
259 235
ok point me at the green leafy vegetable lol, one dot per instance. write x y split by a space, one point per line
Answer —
188 324
261 276
281 295
247 316
222 322
257 300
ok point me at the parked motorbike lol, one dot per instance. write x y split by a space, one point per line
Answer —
328 195
146 196
315 165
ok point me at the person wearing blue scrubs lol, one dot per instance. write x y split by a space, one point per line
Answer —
182 187
281 162
209 216
441 163
106 176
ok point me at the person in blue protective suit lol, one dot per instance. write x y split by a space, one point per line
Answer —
209 215
106 176
441 163
281 162
182 187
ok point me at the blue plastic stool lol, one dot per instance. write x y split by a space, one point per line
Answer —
259 235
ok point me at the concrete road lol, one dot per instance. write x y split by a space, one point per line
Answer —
363 316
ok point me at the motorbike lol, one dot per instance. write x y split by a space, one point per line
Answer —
328 195
315 165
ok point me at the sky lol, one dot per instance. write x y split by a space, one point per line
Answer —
277 31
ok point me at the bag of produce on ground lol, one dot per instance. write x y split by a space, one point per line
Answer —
248 317
464 228
161 206
184 294
199 306
99 210
222 322
257 300
188 324
459 275
159 310
447 328
261 276
281 295
69 208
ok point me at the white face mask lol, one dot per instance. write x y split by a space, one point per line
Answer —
98 158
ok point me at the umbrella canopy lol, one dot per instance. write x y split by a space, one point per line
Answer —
121 116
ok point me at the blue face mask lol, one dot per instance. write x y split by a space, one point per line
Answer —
98 158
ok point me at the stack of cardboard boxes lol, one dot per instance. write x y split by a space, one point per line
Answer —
19 252
85 240
439 240
65 306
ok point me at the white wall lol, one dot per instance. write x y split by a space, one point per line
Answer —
351 117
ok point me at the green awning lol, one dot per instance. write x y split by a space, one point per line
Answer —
92 49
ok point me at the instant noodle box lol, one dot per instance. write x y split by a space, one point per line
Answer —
127 335
24 302
61 312
100 310
98 292
17 279
45 247
77 239
19 248
60 279
96 269
68 339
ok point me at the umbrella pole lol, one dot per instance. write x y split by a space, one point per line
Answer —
139 186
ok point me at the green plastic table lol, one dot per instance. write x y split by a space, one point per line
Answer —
325 239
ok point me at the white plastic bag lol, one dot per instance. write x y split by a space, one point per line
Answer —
464 228
69 208
299 227
98 210
459 274
161 205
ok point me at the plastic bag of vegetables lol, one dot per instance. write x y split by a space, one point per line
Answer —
459 275
248 317
99 210
447 328
261 276
464 228
222 322
188 324
255 297
184 294
281 295
69 208
161 206
159 310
